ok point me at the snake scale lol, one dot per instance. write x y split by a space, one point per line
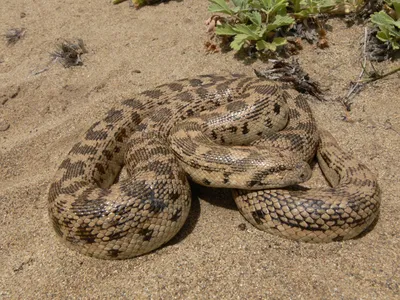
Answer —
232 131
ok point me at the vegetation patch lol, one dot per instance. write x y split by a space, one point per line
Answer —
266 26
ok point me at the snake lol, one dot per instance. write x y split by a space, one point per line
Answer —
253 136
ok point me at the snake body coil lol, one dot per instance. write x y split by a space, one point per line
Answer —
184 128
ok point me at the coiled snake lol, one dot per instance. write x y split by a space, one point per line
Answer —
231 131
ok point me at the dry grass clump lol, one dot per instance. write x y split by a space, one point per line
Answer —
13 35
69 53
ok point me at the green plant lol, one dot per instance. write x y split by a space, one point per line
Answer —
306 8
252 22
389 25
264 23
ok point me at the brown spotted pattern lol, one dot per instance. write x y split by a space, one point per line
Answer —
100 215
335 213
276 158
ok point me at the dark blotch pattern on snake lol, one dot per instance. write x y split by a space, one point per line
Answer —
223 131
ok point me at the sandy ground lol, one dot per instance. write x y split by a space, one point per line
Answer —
130 51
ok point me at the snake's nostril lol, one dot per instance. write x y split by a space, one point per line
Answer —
302 176
303 170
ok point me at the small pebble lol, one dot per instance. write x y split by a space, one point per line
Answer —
3 125
242 226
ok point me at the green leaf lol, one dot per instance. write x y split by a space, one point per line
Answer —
279 41
383 36
220 6
261 30
261 45
324 4
279 22
265 45
266 4
396 6
238 41
296 5
248 30
270 6
240 3
302 14
394 34
389 28
382 19
283 20
225 29
255 17
271 27
395 45
237 2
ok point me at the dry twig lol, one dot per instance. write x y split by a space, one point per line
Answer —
357 86
292 72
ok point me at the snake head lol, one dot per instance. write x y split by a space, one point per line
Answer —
281 176
300 173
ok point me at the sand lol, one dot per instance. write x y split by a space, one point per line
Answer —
215 256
